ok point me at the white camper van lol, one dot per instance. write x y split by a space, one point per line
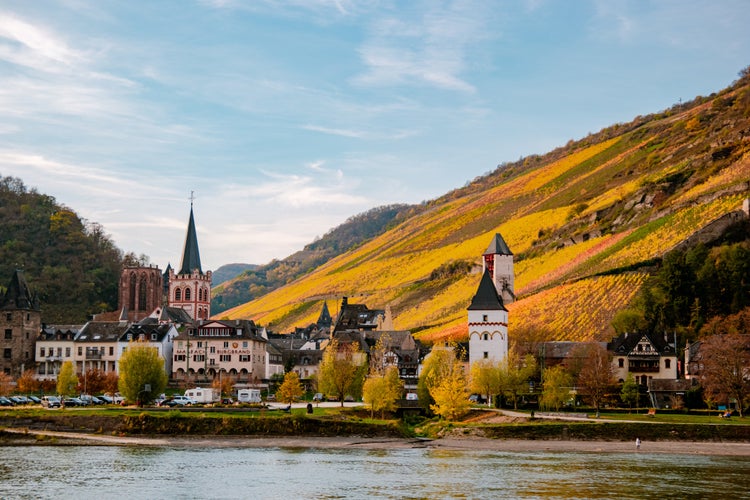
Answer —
248 396
203 395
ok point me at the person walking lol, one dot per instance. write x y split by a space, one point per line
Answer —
637 443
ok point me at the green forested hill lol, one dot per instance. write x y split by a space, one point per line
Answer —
71 264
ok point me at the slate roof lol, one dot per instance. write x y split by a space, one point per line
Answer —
191 258
59 332
138 329
625 343
498 246
18 295
357 316
325 320
101 331
486 298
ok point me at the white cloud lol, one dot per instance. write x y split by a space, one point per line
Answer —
27 45
335 131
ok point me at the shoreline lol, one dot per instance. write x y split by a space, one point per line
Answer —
26 437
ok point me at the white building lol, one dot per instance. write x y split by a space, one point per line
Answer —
488 317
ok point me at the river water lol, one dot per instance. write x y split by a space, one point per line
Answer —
83 472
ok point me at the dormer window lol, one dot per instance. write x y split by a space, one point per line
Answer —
130 337
153 336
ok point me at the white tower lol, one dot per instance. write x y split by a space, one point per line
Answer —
488 317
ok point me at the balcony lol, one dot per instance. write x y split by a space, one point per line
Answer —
93 355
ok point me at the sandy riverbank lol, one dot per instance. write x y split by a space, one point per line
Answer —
24 437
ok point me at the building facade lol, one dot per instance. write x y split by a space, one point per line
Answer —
20 324
190 288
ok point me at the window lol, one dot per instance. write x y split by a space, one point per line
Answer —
67 352
225 358
244 344
621 363
667 363
484 318
200 344
8 334
59 352
187 294
9 316
41 352
111 350
199 357
80 351
486 336
226 345
212 350
244 358
212 361
7 353
178 294
486 355
179 357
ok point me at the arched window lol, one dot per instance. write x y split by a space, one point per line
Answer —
177 294
187 294
131 291
142 293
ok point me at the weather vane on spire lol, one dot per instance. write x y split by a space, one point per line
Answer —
192 197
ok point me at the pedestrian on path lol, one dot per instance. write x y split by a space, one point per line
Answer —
637 443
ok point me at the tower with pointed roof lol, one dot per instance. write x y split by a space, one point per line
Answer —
20 323
190 287
498 260
488 317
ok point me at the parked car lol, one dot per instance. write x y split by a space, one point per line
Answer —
172 402
5 401
51 402
89 399
318 397
74 402
106 399
411 396
34 399
227 401
476 398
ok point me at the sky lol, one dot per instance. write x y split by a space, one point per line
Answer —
286 117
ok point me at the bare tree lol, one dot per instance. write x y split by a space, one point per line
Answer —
725 373
595 379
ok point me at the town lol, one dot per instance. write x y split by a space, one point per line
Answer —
170 311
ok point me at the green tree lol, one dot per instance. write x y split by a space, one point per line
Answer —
142 375
67 380
381 392
486 379
629 392
341 372
515 376
556 382
291 389
450 396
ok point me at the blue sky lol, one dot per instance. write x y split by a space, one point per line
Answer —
287 117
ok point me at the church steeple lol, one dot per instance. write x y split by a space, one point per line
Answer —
191 258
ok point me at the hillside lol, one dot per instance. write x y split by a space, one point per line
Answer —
586 222
260 280
230 271
71 264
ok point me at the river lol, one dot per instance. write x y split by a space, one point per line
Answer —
83 472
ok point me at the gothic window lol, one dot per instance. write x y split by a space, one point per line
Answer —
142 293
131 291
178 294
187 294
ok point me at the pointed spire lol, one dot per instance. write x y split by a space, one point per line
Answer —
325 320
486 298
191 258
18 295
498 246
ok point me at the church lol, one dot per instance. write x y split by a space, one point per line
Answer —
144 291
488 317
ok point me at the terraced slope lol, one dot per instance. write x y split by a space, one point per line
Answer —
584 222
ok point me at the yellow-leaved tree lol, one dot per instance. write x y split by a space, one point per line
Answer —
436 368
290 389
142 375
382 392
342 370
486 378
556 383
450 396
67 380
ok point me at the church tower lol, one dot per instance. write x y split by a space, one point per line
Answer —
141 289
488 317
21 322
190 287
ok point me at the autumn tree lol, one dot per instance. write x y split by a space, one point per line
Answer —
556 383
724 375
27 382
142 375
436 367
6 384
110 383
223 385
291 389
382 392
486 378
596 379
450 396
629 393
93 381
342 370
67 380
